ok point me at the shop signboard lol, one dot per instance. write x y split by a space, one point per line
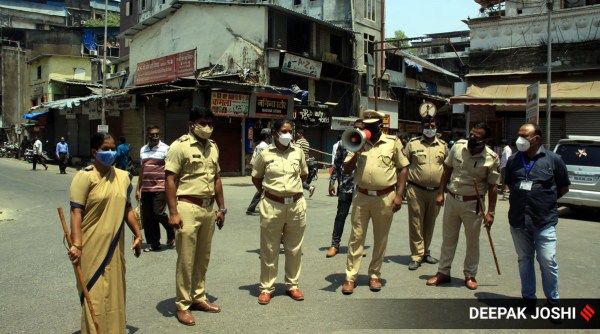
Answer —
167 68
227 104
301 66
312 116
264 105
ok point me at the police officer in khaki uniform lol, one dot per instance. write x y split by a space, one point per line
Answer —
278 173
467 161
192 186
426 155
380 177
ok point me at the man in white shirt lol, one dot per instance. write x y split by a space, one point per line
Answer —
506 153
151 190
37 153
265 141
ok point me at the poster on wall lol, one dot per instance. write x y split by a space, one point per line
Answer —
312 116
227 104
264 105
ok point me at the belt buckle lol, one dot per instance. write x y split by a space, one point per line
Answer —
206 202
430 188
288 200
459 197
372 192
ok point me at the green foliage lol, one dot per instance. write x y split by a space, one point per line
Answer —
114 20
399 34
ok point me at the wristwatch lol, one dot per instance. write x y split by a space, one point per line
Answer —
223 211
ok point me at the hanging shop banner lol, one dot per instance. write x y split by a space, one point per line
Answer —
229 104
301 66
312 116
342 123
121 102
167 68
271 106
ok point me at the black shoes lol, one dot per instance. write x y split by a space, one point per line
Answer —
414 265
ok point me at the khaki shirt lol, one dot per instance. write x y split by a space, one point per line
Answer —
281 171
195 165
377 164
484 167
426 161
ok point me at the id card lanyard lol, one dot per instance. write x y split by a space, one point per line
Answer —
526 168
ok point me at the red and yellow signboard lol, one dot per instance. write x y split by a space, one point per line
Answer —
167 68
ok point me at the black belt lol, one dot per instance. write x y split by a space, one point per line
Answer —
423 187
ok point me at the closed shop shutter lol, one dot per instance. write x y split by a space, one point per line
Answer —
133 130
583 123
71 135
177 120
228 136
514 123
85 129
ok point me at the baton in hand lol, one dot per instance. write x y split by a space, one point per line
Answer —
79 273
487 227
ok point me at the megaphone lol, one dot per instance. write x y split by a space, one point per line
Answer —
354 139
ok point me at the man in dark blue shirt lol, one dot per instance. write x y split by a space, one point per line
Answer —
537 177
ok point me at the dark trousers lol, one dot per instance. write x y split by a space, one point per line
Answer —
154 206
254 202
38 158
344 203
62 162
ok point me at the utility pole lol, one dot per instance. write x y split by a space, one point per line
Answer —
103 115
20 102
549 4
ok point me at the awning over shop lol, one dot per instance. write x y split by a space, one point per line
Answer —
35 115
69 103
572 92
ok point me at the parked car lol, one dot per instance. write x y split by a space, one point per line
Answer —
581 154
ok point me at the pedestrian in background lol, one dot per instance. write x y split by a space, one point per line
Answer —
100 207
380 177
151 190
468 161
537 178
192 186
506 153
278 172
37 153
426 155
62 154
312 168
265 141
122 154
345 191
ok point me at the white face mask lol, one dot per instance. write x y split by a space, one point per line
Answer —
523 144
285 138
429 132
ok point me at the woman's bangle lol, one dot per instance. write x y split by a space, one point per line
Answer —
139 238
78 246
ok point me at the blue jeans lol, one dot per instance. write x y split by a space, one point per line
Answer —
528 242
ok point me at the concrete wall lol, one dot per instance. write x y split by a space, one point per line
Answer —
63 42
235 44
568 26
56 67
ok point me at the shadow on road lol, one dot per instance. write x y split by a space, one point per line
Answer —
337 280
592 215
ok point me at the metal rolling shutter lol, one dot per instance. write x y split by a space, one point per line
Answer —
583 123
133 130
177 119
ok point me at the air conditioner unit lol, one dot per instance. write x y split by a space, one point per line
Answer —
93 52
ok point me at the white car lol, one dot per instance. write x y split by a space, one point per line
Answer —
581 154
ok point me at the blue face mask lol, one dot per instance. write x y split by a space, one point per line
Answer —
106 157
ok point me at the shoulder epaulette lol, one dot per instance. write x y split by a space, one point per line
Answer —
461 141
183 138
391 137
88 168
415 138
442 141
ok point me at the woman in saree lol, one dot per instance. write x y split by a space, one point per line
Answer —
99 208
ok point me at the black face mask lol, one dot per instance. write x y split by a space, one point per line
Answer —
373 128
474 143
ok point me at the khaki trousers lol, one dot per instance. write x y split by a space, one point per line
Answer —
193 243
281 222
364 208
455 214
422 212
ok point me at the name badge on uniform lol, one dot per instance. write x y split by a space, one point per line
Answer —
196 156
526 185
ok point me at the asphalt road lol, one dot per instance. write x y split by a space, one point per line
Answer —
38 294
